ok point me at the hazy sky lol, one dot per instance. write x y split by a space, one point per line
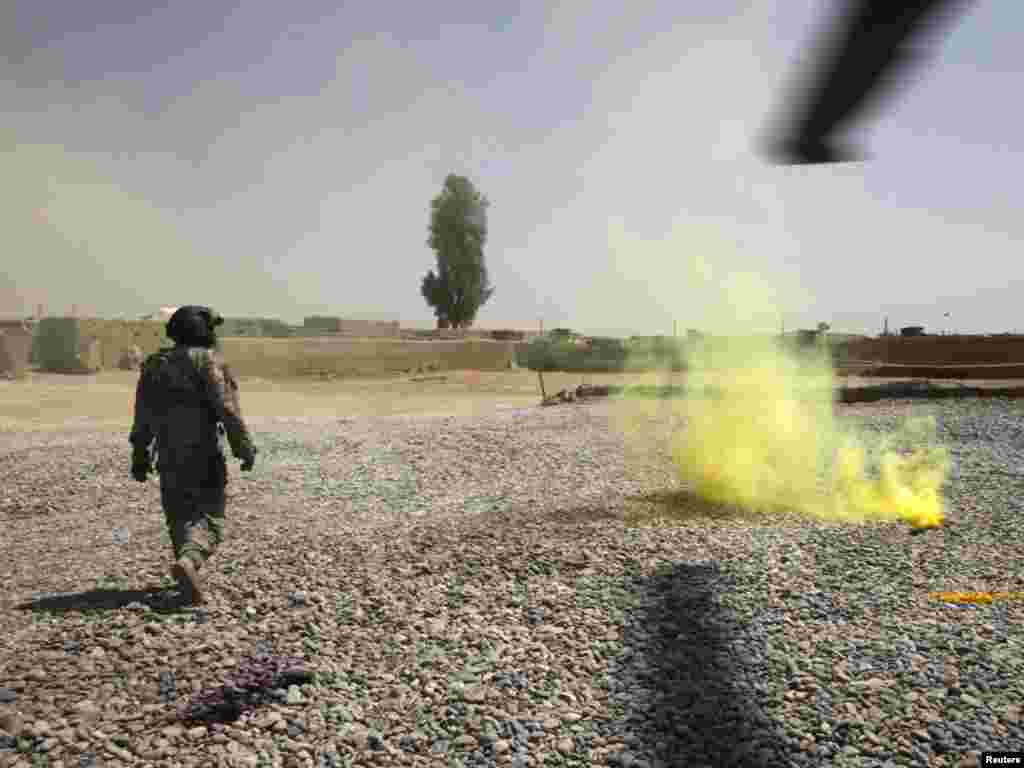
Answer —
278 159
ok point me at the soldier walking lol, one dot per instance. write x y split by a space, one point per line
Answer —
186 397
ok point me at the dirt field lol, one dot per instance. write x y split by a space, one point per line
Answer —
47 400
442 581
106 399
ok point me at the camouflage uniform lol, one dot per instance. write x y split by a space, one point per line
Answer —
183 397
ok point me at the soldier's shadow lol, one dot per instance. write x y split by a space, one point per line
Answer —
159 600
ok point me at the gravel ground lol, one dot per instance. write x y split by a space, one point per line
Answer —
479 592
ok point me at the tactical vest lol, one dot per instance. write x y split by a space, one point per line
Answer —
187 435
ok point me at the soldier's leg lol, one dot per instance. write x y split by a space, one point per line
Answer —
181 503
212 503
177 511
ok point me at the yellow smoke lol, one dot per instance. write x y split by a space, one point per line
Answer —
770 440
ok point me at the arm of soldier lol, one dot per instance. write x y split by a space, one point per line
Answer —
143 433
222 390
143 426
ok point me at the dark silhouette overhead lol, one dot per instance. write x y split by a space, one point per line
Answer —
871 47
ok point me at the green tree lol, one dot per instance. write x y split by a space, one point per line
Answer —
458 232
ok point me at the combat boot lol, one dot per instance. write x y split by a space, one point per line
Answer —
187 575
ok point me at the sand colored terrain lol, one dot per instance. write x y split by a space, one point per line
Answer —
51 400
48 400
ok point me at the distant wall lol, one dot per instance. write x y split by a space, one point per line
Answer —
115 336
967 371
395 350
105 341
15 348
358 328
99 343
58 344
503 334
281 358
939 350
255 326
369 328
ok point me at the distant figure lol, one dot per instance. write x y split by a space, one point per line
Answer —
183 394
131 359
874 44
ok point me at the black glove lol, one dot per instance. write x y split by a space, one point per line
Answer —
141 465
248 459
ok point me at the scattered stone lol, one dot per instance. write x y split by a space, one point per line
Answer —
40 728
356 736
476 694
436 628
264 647
517 680
124 754
12 722
294 677
268 720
